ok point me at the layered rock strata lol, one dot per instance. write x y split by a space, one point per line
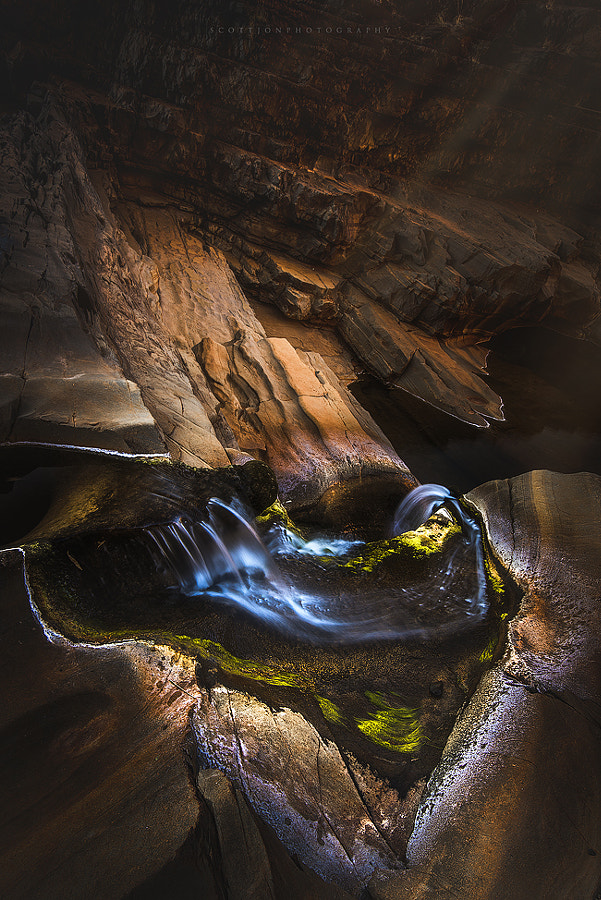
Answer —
147 342
154 334
344 164
213 126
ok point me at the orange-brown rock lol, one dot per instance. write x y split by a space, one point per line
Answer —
419 156
406 180
513 809
131 289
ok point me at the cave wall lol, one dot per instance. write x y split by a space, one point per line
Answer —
397 181
205 237
501 94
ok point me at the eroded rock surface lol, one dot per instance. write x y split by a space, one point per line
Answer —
298 783
362 716
57 383
92 760
101 792
411 192
343 173
522 758
204 380
513 810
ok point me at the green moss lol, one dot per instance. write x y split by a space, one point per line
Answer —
330 711
489 651
424 541
36 549
396 728
233 665
493 577
276 514
67 617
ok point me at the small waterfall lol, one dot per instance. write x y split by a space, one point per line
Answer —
197 555
223 558
415 510
245 547
421 503
178 548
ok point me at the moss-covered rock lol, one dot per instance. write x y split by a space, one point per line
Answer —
375 698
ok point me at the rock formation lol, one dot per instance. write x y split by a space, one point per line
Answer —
168 165
274 721
516 786
213 218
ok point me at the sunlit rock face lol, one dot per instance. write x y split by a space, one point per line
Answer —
109 346
404 192
205 235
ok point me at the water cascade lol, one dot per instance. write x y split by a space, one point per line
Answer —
310 588
421 503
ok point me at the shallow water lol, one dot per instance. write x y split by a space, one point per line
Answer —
326 589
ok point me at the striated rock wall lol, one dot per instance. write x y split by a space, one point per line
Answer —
127 331
498 95
58 384
416 177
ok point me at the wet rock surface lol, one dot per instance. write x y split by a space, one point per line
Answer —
273 721
101 791
532 729
94 506
364 677
300 784
205 236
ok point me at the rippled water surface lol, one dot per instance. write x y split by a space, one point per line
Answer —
328 589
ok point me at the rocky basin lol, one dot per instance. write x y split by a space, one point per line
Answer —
214 219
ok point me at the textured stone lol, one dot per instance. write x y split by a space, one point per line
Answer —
369 170
442 374
525 750
406 188
57 385
92 760
247 873
293 410
136 284
270 399
545 530
512 810
297 782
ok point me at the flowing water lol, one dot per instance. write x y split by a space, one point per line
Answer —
326 589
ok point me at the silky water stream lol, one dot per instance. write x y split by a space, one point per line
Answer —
376 633
304 585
